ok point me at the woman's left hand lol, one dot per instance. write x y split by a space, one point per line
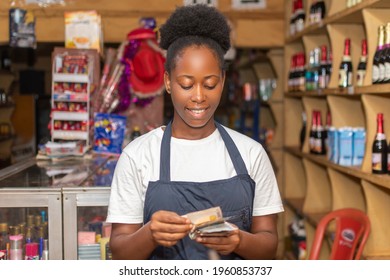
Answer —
224 245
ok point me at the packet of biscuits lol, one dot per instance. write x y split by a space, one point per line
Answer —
209 222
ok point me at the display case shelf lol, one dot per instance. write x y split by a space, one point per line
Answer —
339 13
70 135
72 97
71 78
354 171
70 116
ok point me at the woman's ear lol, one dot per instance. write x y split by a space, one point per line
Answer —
167 82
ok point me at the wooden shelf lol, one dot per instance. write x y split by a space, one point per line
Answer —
350 15
297 206
6 138
381 180
381 89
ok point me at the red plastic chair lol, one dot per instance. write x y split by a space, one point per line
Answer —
352 230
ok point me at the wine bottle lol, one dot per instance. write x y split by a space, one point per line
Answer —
320 10
292 17
323 78
319 144
300 75
376 63
329 66
315 68
312 12
303 130
379 148
387 55
345 70
309 75
313 130
383 56
300 17
292 72
361 70
326 131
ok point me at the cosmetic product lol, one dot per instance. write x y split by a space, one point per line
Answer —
40 240
45 251
345 146
16 247
31 251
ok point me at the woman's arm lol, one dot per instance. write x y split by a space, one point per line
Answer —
262 241
137 242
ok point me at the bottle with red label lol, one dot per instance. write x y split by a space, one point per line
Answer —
379 149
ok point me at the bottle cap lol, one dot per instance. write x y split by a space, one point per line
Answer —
3 227
14 230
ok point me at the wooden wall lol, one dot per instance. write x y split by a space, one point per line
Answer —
262 28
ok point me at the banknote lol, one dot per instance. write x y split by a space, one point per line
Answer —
209 222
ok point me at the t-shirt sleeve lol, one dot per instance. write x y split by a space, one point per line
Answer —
267 196
126 203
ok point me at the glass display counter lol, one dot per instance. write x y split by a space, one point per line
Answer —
31 206
85 205
68 199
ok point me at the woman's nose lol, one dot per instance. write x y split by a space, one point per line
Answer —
198 95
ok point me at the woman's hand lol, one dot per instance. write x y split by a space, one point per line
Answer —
167 228
224 245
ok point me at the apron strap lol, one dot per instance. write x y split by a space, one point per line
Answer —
234 154
165 152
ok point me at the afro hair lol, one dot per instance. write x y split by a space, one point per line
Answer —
196 20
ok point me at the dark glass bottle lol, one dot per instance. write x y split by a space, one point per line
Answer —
317 11
383 56
292 17
300 72
387 55
345 70
379 148
303 130
327 128
292 74
313 130
300 17
319 145
322 78
376 67
329 66
309 73
361 70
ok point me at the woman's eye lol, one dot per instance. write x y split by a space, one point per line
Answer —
186 87
209 87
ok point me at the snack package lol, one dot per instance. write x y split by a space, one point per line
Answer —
109 133
210 222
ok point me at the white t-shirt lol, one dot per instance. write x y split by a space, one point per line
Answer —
201 160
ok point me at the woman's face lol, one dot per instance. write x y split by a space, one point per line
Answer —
195 85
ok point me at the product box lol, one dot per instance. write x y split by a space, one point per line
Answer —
109 133
332 145
83 30
359 144
345 146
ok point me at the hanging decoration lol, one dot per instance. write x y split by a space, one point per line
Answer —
137 75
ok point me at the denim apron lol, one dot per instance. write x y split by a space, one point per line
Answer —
234 196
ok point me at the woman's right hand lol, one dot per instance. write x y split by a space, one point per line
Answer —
167 228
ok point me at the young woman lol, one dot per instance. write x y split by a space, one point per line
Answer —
193 163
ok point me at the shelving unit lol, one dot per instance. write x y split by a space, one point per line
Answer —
266 114
313 185
64 92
